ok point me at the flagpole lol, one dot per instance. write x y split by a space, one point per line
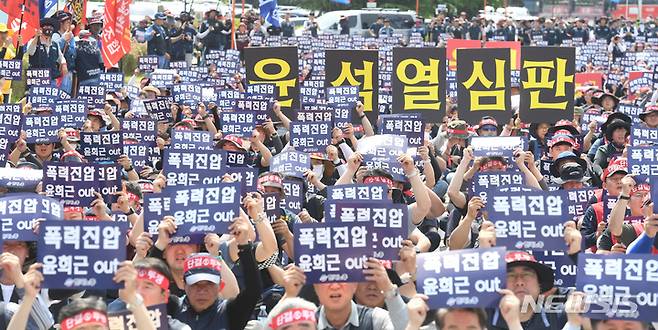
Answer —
232 25
20 26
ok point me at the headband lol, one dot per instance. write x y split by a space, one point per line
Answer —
74 209
492 163
154 276
270 178
85 318
379 179
293 316
132 197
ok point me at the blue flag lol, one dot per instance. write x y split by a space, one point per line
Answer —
47 8
268 10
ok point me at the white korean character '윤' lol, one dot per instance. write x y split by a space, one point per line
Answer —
72 236
91 238
305 262
49 265
501 228
651 268
111 235
471 262
431 286
593 267
633 269
307 237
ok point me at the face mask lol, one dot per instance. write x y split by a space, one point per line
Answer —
318 170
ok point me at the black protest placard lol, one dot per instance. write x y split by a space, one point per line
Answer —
356 68
419 82
484 84
547 84
278 66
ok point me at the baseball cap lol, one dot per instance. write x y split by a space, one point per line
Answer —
544 273
202 267
617 165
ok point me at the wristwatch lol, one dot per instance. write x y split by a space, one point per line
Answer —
139 301
392 293
130 212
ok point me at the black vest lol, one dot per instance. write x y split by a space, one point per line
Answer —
46 60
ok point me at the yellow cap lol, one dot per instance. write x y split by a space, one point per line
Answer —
3 27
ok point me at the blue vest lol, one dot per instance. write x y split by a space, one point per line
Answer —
46 60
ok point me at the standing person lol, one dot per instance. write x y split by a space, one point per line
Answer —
552 35
437 28
386 30
579 32
158 41
89 61
287 28
65 40
7 53
210 32
258 30
419 28
95 26
344 25
374 27
242 39
311 25
602 31
617 48
182 39
46 54
475 30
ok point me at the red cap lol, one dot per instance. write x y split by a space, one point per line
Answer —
617 165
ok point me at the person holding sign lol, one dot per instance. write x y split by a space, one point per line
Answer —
24 289
621 233
646 242
44 53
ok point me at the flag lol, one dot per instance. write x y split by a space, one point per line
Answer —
47 8
30 18
115 39
268 10
78 9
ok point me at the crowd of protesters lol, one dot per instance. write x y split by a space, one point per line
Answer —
225 282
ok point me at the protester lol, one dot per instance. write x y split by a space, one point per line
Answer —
46 54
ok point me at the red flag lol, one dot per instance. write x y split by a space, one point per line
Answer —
116 31
30 18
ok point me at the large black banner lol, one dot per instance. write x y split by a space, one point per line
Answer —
483 84
547 84
279 66
356 68
419 82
